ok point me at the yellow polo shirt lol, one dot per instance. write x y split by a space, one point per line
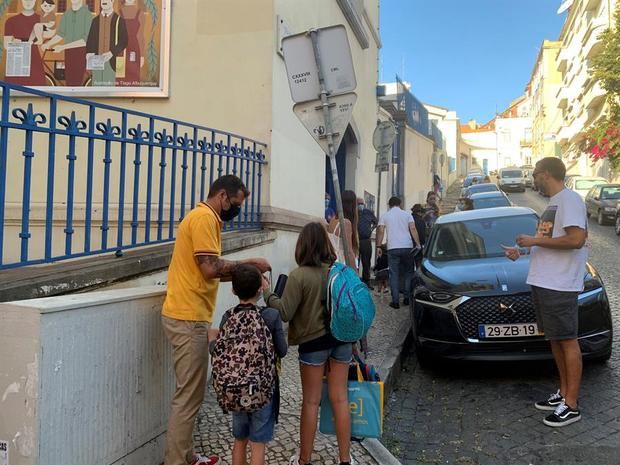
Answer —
190 296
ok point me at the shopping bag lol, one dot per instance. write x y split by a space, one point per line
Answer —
365 404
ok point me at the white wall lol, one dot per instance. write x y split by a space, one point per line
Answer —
418 168
87 378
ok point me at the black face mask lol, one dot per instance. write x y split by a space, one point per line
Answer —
231 213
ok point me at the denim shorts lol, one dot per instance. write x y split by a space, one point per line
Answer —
256 426
342 354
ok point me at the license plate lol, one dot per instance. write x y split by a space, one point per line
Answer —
516 330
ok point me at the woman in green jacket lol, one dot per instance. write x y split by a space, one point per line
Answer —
303 306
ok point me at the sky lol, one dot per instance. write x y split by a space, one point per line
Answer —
466 55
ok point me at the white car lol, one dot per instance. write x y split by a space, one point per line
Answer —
583 184
511 179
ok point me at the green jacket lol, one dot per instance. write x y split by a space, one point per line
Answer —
302 303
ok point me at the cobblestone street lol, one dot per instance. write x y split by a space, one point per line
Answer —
483 414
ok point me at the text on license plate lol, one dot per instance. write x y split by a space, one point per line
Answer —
514 330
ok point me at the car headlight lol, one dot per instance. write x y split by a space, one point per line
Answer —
437 297
591 280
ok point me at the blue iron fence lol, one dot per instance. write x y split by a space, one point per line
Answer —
127 180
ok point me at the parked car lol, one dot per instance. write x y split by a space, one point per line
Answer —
469 180
471 303
583 184
477 188
602 202
568 177
618 220
511 179
527 175
490 200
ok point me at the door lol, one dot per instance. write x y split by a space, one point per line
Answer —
485 166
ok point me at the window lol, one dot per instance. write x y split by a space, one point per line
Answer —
481 238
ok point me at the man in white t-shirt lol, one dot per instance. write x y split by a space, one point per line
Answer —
401 233
557 268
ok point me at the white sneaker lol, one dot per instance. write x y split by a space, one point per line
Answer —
294 460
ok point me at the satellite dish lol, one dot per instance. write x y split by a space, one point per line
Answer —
384 135
565 6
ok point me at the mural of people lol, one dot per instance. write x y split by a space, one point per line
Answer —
73 32
107 39
132 11
19 29
46 29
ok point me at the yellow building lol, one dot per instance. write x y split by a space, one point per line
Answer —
543 87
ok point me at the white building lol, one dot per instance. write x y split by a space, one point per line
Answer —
448 160
581 99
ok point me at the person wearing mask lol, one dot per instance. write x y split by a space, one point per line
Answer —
302 305
194 275
336 236
402 236
366 224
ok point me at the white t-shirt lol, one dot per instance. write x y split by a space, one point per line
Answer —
396 222
560 270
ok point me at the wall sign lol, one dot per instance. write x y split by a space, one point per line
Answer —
92 48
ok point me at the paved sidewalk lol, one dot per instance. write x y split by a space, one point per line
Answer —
385 339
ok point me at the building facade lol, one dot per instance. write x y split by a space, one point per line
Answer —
581 99
543 87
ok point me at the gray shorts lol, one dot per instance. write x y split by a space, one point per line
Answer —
557 313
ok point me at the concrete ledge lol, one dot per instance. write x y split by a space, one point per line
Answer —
286 220
101 270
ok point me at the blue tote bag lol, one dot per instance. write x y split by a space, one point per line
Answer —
365 404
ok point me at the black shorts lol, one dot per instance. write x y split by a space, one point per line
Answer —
557 313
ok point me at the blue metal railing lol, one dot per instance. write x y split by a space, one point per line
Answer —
103 198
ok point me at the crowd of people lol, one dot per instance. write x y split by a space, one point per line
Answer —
195 271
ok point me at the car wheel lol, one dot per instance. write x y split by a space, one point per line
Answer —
618 224
600 219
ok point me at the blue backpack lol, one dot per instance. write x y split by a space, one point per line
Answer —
349 304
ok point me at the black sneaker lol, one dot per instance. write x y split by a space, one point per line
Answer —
394 305
551 403
405 302
562 416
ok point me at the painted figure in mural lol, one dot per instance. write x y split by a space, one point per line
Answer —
46 29
18 29
107 39
132 11
73 32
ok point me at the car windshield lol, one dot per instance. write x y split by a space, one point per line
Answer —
482 188
587 184
491 202
482 238
611 193
512 174
470 179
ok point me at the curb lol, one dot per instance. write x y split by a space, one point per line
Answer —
378 452
389 372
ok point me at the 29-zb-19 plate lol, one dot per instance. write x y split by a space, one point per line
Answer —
513 330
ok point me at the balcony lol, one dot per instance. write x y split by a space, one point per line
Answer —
564 135
592 42
594 96
563 96
562 60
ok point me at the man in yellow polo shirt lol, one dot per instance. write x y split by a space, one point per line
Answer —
194 275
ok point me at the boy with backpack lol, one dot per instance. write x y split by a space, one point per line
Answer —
245 353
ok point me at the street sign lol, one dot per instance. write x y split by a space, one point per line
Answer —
382 162
340 111
336 63
384 135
